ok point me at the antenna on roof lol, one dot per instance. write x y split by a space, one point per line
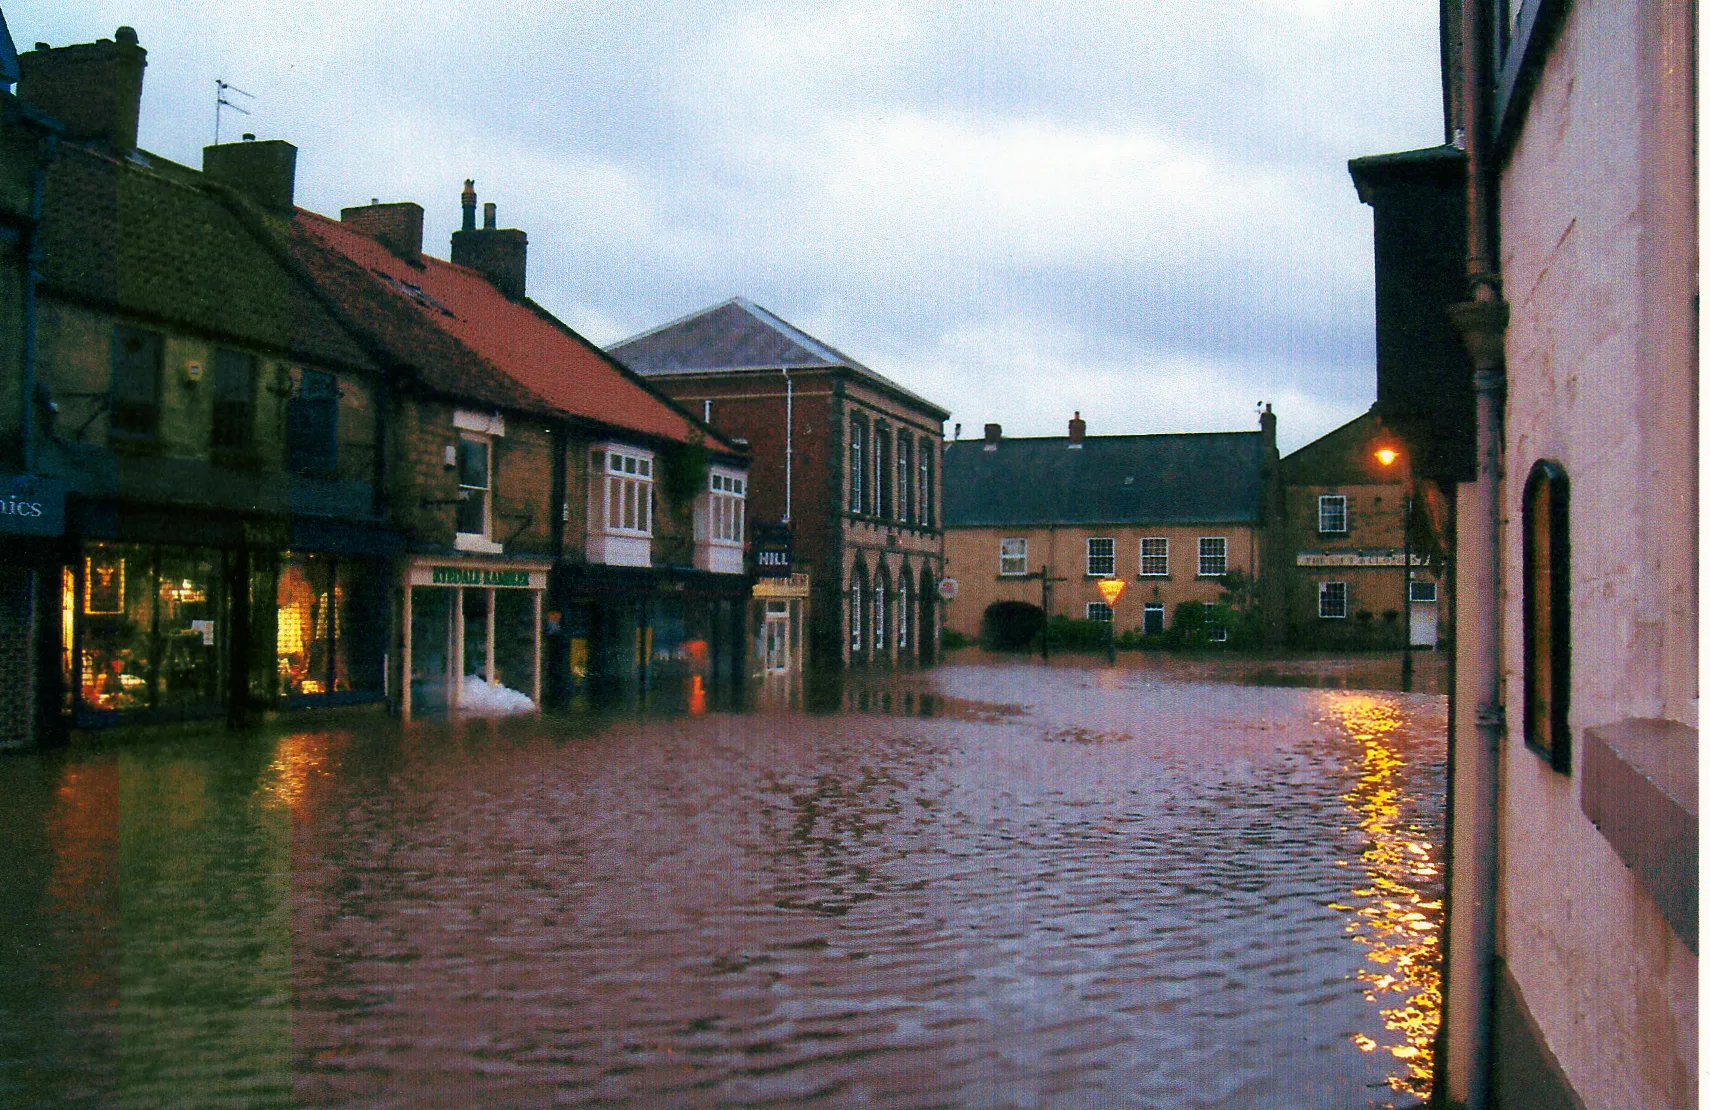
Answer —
220 102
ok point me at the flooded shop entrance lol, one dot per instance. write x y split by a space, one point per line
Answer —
472 637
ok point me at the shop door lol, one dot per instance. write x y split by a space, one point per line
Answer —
1423 618
777 639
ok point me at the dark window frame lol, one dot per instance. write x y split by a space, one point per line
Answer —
1546 620
1520 37
312 448
130 416
232 428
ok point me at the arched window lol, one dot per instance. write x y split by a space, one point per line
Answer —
857 464
905 612
879 603
855 612
882 504
1545 601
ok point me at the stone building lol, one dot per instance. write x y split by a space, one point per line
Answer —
1558 232
1360 539
845 471
1032 525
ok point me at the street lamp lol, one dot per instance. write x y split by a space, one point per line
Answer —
1387 456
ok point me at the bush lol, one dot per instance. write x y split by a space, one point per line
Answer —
950 640
1078 635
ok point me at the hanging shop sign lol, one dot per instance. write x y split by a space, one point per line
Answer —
31 505
513 578
773 550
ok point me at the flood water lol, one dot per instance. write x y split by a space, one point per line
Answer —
993 884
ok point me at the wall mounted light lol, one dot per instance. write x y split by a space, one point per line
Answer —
451 456
192 373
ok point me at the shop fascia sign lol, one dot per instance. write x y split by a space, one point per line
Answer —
495 577
1356 559
31 505
773 550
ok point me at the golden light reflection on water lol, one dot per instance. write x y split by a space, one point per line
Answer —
1394 910
298 757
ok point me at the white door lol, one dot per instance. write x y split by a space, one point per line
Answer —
1423 616
777 642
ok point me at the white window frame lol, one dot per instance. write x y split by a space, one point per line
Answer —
1325 592
624 477
726 511
1152 606
1214 633
879 603
1099 611
1209 558
1332 510
903 596
1160 568
905 463
1008 557
482 541
857 464
1418 587
1111 555
854 615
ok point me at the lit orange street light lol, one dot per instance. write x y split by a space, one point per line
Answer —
1386 456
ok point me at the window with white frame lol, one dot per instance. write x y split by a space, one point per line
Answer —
623 490
1422 591
905 611
1153 618
727 494
1099 611
857 464
854 615
1333 600
1213 556
879 615
925 514
1333 513
1155 557
1215 633
882 499
905 466
1101 557
474 485
1012 556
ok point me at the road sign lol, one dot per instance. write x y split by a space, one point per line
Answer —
1111 589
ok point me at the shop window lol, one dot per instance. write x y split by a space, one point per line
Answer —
1332 600
1101 557
1155 557
311 424
1213 556
1545 600
904 469
1012 556
1332 514
1099 611
329 631
233 428
150 628
857 463
135 403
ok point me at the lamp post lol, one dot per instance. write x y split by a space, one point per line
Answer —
1388 456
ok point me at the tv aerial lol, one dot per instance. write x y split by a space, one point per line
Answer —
221 88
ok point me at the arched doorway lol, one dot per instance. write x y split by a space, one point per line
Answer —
1011 625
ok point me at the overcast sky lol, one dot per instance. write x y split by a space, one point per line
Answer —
1138 210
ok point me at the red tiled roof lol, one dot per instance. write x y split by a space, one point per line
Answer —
463 337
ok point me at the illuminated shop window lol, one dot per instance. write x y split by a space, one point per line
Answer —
150 625
329 627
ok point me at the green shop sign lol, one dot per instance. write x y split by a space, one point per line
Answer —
478 576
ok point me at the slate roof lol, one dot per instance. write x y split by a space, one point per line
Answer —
740 335
462 337
1185 478
145 236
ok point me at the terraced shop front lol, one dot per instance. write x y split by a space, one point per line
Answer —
472 635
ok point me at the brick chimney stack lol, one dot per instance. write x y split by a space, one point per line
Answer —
93 88
265 172
1077 430
994 433
499 254
397 226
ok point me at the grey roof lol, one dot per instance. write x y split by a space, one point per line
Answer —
740 335
1185 478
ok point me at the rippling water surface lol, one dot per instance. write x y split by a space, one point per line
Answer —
985 886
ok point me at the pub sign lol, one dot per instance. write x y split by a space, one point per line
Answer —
772 550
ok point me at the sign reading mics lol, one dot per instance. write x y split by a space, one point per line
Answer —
32 505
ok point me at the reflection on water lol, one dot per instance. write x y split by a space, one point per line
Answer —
1397 904
979 886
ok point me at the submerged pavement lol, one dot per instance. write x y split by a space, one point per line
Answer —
992 884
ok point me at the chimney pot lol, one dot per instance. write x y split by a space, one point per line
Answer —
126 35
249 136
1077 430
994 432
469 204
499 254
489 216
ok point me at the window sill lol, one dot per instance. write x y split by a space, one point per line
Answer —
1153 577
481 545
1640 788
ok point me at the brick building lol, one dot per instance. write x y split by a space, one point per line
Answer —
292 451
1032 525
845 466
1351 518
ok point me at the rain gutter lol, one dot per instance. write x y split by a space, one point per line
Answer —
1482 322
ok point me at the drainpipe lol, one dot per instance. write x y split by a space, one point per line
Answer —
789 437
1482 322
